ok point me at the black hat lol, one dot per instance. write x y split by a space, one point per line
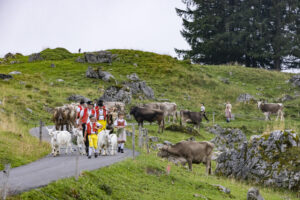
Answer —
82 102
90 103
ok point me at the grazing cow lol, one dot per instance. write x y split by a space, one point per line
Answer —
80 141
271 108
142 114
191 151
103 142
59 139
168 108
112 144
191 117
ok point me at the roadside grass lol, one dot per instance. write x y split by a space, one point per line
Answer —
188 85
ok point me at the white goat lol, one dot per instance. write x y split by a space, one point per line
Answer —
112 144
59 139
103 141
80 141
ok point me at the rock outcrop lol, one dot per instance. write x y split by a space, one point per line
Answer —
35 57
295 80
99 57
253 194
272 160
141 87
117 93
227 139
99 74
245 98
77 98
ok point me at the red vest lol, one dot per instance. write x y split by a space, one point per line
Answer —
101 113
121 123
80 109
86 115
91 128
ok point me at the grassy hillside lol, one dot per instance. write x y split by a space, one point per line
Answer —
188 85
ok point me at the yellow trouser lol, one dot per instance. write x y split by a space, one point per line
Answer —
93 140
103 123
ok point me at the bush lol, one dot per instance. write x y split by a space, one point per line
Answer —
56 54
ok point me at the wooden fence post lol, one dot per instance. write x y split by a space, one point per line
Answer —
133 141
147 141
76 164
5 183
213 118
140 137
41 130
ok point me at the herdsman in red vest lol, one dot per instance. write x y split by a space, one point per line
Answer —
91 134
78 110
84 119
101 114
120 123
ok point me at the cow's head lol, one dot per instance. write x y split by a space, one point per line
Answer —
163 152
259 103
133 110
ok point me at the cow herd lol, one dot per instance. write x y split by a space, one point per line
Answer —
187 151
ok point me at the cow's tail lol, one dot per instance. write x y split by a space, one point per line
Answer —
180 120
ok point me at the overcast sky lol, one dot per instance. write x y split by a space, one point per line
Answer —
29 26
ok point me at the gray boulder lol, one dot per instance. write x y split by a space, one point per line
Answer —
245 98
77 98
9 55
253 194
105 76
5 76
141 87
222 189
153 139
35 57
133 77
52 65
29 110
99 74
91 73
114 93
286 98
80 59
98 57
156 146
59 80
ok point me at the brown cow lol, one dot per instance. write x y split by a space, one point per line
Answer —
65 115
191 117
192 151
271 108
168 108
142 114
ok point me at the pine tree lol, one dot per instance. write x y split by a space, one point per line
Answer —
257 33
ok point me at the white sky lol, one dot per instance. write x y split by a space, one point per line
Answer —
29 26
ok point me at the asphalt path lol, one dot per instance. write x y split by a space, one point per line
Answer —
49 168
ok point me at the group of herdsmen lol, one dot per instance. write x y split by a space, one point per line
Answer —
92 119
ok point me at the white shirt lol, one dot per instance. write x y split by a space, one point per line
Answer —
202 108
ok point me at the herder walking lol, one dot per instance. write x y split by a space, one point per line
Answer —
228 111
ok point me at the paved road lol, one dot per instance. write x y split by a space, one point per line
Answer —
48 169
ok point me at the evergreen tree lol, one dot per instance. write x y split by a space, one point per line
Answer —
257 33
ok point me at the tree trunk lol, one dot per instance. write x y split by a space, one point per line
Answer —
277 64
